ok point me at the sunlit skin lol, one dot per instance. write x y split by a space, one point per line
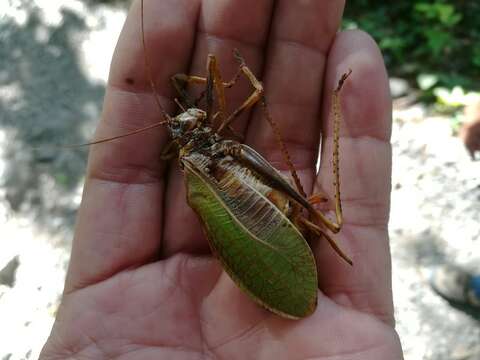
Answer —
142 283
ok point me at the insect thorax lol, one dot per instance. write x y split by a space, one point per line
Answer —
184 123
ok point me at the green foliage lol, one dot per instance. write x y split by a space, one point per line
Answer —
440 38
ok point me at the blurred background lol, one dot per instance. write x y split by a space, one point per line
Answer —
54 60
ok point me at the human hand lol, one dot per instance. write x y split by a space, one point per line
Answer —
142 283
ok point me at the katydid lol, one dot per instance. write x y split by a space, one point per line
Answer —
253 216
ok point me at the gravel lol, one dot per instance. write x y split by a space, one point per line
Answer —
434 221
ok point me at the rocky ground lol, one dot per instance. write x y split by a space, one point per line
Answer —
53 62
434 220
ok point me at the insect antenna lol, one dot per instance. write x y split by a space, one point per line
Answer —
149 69
95 142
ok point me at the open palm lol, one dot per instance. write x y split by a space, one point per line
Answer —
142 283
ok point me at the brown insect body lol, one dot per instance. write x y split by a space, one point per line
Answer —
250 213
253 237
231 164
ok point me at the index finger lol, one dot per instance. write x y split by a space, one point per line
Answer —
119 222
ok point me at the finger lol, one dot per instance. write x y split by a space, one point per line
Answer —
223 26
293 80
119 223
365 170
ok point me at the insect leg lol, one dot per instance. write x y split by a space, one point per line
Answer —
182 79
317 198
232 82
251 100
179 82
336 226
215 82
258 95
256 162
214 72
320 232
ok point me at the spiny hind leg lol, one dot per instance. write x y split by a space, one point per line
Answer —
335 226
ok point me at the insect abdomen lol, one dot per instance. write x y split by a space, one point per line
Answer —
258 246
